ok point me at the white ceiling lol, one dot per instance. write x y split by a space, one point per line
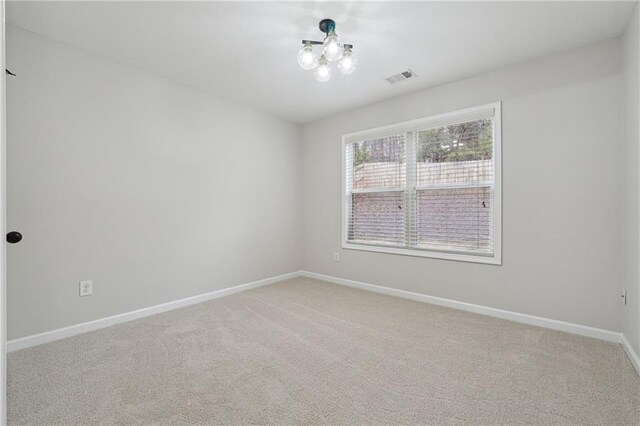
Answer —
247 51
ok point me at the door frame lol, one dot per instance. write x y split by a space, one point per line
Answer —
3 227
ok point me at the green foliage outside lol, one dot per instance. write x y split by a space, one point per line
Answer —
459 142
360 154
386 150
468 141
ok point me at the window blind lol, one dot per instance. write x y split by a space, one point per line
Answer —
377 182
426 186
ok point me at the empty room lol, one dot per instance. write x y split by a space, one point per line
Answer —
320 213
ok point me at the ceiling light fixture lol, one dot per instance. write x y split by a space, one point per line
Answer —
332 50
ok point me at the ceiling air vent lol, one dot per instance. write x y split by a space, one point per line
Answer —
404 75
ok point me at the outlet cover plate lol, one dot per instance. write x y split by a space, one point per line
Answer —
86 288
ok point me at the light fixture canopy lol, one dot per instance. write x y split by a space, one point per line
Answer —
327 25
332 50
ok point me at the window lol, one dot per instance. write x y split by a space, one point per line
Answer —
428 187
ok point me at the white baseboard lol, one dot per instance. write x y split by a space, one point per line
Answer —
61 333
633 356
598 333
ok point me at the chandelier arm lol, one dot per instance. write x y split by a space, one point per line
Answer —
313 42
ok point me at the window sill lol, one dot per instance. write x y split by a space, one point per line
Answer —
460 257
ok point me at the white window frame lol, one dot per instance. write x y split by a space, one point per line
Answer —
466 114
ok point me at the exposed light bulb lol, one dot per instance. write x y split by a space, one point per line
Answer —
323 71
306 58
348 62
332 47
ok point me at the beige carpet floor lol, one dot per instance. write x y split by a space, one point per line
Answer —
307 352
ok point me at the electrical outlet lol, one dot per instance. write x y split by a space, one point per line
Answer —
86 288
336 257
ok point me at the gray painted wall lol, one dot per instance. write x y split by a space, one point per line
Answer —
562 196
631 151
157 192
152 190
